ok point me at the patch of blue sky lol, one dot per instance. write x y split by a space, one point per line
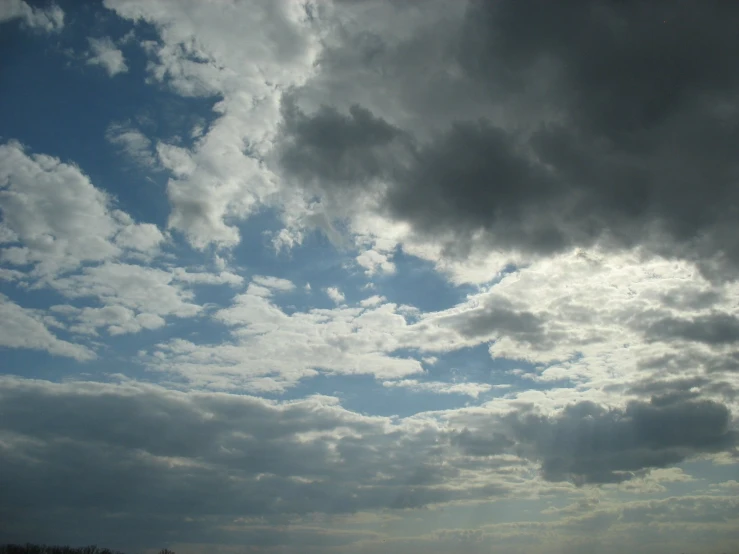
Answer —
38 364
704 471
473 364
416 283
316 262
69 120
33 298
366 395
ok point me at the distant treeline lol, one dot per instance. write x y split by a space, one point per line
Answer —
45 549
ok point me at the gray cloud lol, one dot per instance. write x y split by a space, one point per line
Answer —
478 444
96 462
499 319
618 126
588 443
715 329
94 452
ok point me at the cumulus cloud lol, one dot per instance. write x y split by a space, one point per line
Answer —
215 455
469 389
117 320
59 218
133 143
223 177
520 139
145 289
25 328
49 18
587 443
335 294
105 54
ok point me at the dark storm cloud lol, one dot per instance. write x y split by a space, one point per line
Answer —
633 137
342 150
588 443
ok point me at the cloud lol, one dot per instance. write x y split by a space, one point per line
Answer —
133 143
519 139
218 459
588 443
55 219
374 261
204 278
344 340
223 178
439 387
24 328
105 54
212 456
55 212
716 328
117 319
335 294
49 19
275 283
144 289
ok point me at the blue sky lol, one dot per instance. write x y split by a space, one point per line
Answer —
367 277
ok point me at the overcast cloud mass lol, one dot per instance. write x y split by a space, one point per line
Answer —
368 277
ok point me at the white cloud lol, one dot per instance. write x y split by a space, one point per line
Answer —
273 350
140 288
275 283
440 387
59 217
23 328
335 294
374 261
105 54
55 219
49 19
372 301
204 278
117 320
223 178
133 143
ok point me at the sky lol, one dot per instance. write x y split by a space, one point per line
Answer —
370 276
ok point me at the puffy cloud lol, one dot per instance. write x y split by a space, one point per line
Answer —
335 294
205 278
217 465
502 128
716 328
49 18
117 319
587 443
133 143
105 54
55 212
223 177
439 387
275 283
55 219
145 289
270 350
24 328
212 456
